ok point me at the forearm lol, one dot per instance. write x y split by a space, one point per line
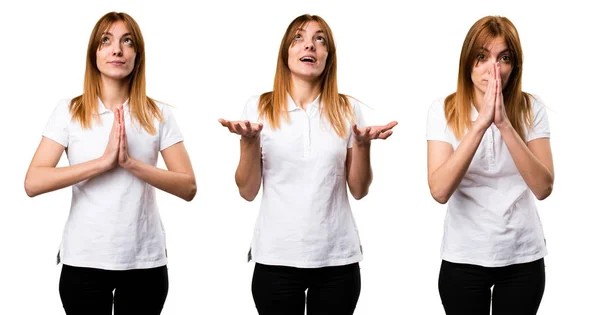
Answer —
446 178
43 179
179 184
360 174
248 175
535 174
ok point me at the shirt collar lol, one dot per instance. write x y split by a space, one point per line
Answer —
474 113
291 105
102 109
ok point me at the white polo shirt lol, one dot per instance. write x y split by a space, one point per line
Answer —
114 222
492 219
305 218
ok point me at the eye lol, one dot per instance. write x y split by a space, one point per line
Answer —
298 37
481 57
105 40
128 41
505 59
321 39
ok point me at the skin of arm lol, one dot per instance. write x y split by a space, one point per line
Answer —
446 167
43 176
248 175
534 161
359 173
178 179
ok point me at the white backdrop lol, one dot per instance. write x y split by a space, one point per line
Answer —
207 59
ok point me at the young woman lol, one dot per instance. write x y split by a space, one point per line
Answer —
488 156
112 133
304 141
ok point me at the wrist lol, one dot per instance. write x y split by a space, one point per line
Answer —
363 145
129 164
250 140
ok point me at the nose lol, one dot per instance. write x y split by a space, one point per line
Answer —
117 51
309 45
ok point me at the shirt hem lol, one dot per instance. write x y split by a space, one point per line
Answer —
105 266
319 264
501 263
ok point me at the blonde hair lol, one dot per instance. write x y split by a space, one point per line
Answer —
336 107
457 106
84 108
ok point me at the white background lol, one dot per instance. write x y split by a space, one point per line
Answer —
207 59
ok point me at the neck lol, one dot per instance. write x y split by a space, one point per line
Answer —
114 92
304 92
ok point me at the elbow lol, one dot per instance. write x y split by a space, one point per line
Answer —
359 194
248 196
30 189
544 193
441 199
439 195
247 192
191 193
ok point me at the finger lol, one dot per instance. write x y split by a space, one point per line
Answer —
260 127
248 126
368 131
355 130
385 135
223 122
389 126
238 128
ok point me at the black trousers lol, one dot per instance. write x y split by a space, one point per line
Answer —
329 290
518 289
90 291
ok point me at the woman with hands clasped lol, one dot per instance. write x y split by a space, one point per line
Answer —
304 141
488 157
112 133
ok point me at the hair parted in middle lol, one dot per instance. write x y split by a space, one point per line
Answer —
336 107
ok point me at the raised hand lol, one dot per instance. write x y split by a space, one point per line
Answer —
243 128
363 136
500 117
123 147
487 108
111 154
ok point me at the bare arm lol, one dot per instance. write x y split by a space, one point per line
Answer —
359 173
178 179
446 167
248 175
43 176
534 161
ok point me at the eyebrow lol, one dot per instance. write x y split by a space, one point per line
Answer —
109 33
504 51
303 30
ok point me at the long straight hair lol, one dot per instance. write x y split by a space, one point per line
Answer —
457 106
84 108
336 107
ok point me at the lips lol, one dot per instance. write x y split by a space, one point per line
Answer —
309 59
117 62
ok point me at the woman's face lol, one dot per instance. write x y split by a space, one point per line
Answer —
494 52
115 57
307 55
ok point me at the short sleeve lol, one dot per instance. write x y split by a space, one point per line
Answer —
359 119
437 127
57 127
169 133
250 112
541 126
